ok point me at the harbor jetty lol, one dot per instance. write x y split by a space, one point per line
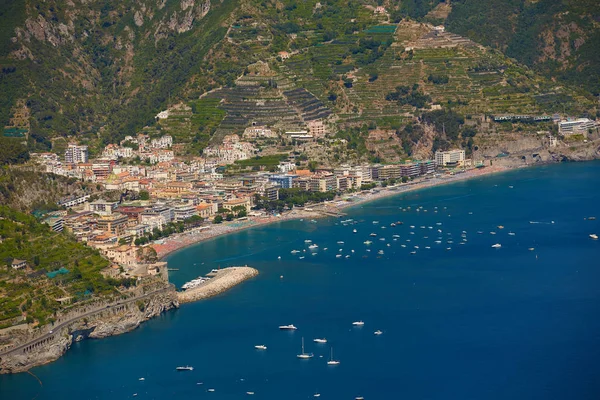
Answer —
223 280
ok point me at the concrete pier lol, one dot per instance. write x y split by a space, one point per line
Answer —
223 280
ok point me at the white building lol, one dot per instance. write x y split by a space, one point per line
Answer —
73 201
286 166
76 154
578 126
450 158
163 142
114 152
258 132
102 207
184 211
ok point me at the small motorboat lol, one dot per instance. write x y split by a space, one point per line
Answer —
289 327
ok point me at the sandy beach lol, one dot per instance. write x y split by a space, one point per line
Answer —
179 241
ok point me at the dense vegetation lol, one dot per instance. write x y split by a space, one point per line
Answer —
31 292
288 198
558 37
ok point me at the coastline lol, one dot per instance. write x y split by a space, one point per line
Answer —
181 241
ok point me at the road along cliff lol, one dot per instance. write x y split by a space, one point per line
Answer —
113 319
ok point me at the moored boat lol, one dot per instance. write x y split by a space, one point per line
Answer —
289 327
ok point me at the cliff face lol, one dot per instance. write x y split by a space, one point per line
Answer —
113 321
81 66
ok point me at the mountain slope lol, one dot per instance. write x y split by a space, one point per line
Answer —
559 38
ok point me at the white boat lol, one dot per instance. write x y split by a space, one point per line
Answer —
211 390
304 355
594 236
313 246
331 360
395 236
289 327
142 379
377 332
367 242
496 246
373 234
295 251
250 393
375 222
301 258
511 233
354 231
338 256
186 368
348 256
317 395
531 248
340 242
358 323
260 347
413 252
308 241
380 252
320 340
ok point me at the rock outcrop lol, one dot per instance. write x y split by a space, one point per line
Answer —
114 320
225 279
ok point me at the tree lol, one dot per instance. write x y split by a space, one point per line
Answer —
144 195
229 217
218 219
13 151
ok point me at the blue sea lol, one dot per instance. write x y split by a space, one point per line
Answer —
460 319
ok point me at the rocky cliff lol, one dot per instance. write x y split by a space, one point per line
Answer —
112 321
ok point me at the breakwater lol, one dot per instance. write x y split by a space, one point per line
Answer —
223 280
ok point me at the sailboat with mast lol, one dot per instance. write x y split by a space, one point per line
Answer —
331 360
304 355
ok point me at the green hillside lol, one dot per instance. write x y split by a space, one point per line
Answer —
57 267
102 70
559 38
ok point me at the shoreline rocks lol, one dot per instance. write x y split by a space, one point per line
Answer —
112 321
224 280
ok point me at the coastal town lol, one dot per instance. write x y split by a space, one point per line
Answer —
165 202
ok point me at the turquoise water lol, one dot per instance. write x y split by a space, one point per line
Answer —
472 322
